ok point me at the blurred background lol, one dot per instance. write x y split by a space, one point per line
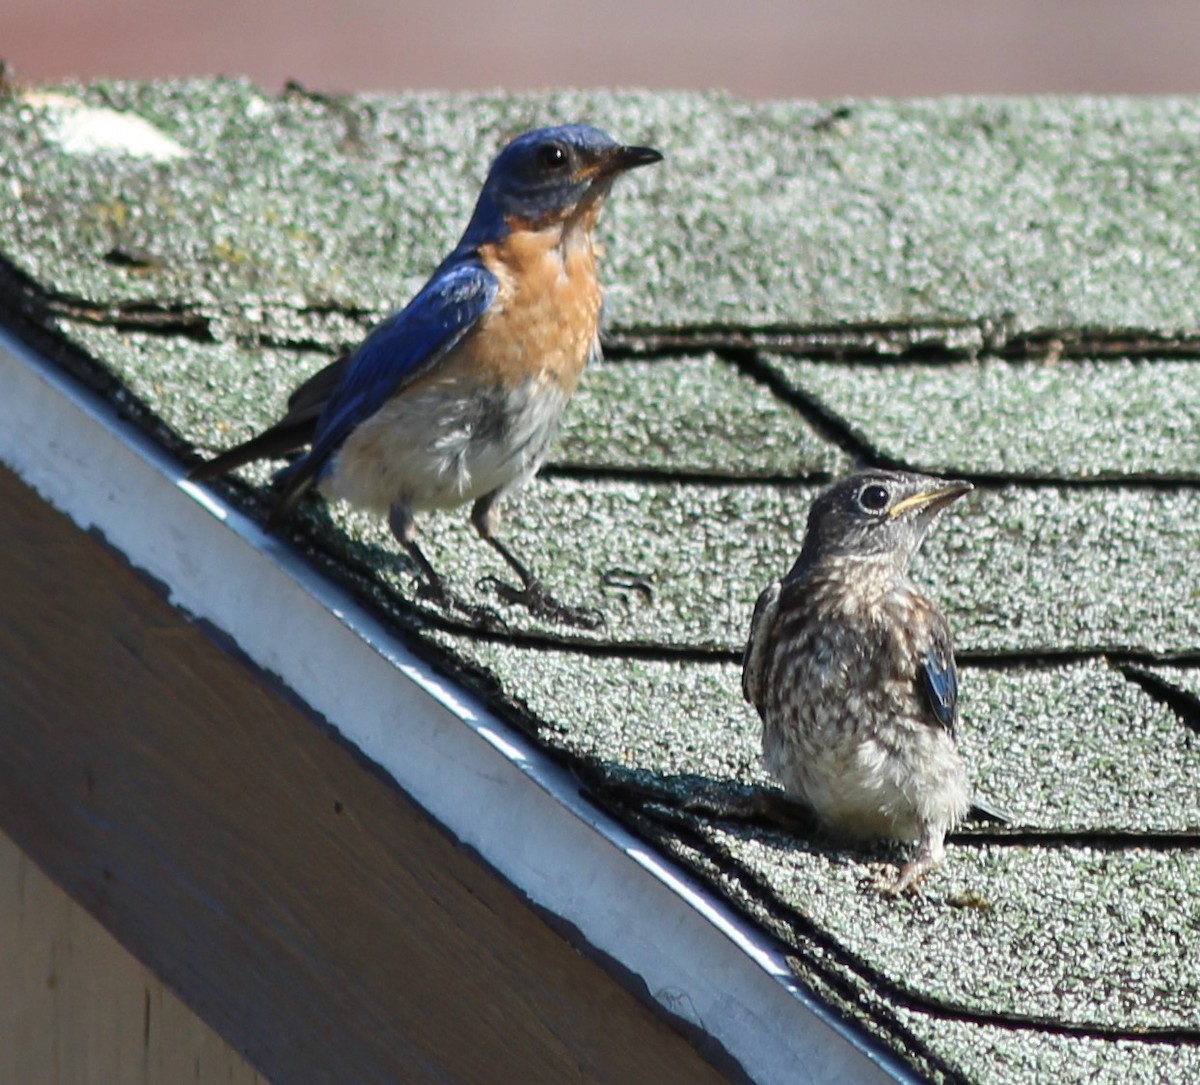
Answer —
753 48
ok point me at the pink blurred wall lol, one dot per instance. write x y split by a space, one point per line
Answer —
755 48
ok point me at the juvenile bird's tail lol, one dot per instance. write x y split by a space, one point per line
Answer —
985 810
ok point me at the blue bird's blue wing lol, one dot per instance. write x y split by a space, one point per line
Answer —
400 349
408 343
394 354
940 680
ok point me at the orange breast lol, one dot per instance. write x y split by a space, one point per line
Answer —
545 320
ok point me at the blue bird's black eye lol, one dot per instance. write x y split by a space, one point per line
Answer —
552 156
874 498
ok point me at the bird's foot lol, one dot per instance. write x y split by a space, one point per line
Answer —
483 616
541 604
890 881
433 588
882 878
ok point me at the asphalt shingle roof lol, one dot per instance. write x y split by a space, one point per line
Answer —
998 289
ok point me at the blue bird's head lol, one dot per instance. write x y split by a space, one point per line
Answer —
548 175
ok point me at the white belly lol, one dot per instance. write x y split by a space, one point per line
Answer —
445 445
862 787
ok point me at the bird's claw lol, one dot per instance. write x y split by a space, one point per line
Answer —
483 616
628 583
541 604
891 881
882 878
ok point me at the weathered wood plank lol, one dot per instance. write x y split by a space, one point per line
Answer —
76 1007
292 896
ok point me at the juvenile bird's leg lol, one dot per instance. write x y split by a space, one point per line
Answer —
930 851
532 595
434 588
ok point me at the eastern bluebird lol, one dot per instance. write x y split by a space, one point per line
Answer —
851 668
458 396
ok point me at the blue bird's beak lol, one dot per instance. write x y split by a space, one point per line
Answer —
618 160
630 158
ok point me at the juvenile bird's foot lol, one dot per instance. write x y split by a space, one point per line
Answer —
541 604
892 882
888 880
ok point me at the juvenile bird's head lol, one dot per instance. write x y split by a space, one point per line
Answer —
549 175
881 514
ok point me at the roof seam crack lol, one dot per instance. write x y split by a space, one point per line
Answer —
1046 658
675 476
914 344
828 424
153 317
981 480
1184 705
1101 838
1130 481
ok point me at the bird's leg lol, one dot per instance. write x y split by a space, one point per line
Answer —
485 515
930 852
534 597
433 587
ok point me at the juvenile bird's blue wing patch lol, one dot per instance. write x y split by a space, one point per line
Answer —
400 349
940 679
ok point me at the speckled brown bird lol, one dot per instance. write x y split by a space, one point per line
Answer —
851 668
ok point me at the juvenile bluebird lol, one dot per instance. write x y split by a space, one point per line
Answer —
458 396
851 668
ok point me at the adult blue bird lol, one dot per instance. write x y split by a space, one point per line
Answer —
457 396
851 668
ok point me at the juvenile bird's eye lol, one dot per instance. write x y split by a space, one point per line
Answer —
873 498
552 156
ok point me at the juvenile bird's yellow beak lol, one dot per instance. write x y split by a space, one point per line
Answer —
931 499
